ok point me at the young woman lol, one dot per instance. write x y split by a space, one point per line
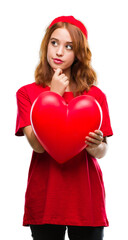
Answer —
69 195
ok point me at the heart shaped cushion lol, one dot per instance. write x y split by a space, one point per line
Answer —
61 128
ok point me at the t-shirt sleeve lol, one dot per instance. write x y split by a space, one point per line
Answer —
23 111
106 123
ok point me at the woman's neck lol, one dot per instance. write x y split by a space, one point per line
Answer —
71 87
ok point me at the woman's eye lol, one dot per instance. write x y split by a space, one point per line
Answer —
54 43
69 47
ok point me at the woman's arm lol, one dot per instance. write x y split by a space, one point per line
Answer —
28 132
96 144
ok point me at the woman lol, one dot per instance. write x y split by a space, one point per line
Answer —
69 195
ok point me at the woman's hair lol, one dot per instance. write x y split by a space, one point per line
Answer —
81 71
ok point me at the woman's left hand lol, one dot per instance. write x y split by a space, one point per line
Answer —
94 139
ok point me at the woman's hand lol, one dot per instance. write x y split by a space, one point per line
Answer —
96 144
94 139
59 82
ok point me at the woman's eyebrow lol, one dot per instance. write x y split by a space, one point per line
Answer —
54 39
58 40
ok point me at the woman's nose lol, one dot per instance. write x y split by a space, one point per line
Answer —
60 51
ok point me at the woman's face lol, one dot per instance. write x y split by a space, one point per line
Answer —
60 52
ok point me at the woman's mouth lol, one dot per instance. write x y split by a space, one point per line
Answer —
57 60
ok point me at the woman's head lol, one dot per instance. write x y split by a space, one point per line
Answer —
60 53
73 46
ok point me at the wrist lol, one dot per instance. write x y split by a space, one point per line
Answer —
97 151
53 90
37 147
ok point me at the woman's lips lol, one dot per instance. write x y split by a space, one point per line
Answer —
57 61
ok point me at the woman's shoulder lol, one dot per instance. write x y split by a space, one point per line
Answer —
97 93
30 91
28 87
96 90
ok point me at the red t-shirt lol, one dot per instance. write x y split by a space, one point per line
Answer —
66 194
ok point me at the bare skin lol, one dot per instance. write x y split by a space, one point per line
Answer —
96 144
59 82
33 141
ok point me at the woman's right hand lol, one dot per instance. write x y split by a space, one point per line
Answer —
59 82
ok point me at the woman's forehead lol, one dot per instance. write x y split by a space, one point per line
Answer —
61 34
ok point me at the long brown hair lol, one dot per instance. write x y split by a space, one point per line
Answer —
81 71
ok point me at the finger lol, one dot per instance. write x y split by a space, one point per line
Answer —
92 145
96 136
61 76
66 83
65 78
93 140
58 71
99 132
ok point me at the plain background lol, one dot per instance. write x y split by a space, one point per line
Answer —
22 27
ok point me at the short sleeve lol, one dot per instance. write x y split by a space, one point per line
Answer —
23 111
106 123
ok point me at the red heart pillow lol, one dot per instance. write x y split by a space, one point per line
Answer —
61 128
